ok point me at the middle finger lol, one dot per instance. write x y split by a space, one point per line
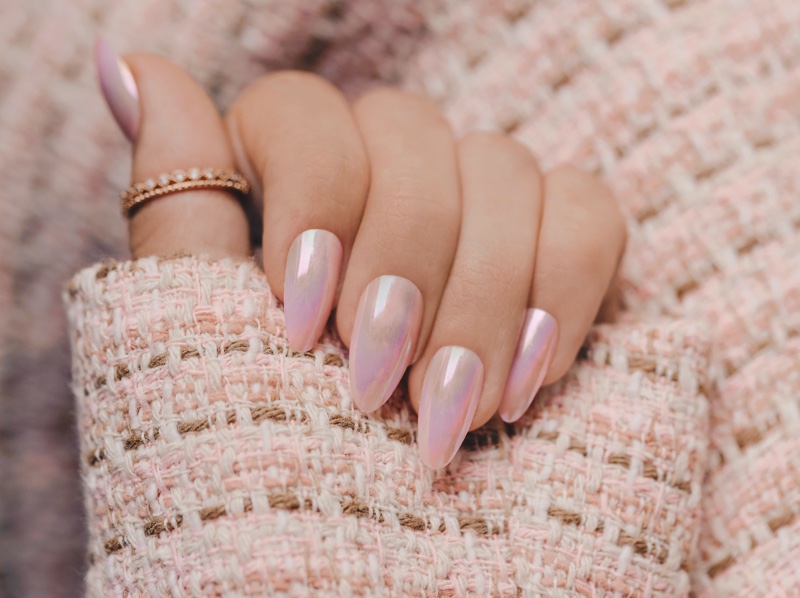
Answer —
405 244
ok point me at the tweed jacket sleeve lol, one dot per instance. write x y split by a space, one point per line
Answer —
216 461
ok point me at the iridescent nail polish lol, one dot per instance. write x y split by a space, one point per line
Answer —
535 351
384 338
450 395
312 274
119 88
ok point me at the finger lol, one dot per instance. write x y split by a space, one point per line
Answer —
174 125
296 132
459 381
405 244
581 242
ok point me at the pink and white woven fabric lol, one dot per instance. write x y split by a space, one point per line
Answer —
216 462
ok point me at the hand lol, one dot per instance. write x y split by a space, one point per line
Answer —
457 257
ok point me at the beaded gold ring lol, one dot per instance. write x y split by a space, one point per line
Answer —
182 180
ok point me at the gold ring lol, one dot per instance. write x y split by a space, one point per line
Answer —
182 180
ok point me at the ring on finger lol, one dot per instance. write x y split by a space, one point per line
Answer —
182 180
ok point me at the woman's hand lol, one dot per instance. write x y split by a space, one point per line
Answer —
457 257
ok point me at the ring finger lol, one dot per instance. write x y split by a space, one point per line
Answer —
459 381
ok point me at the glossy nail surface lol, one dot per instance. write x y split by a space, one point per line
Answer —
535 350
119 88
312 273
384 337
450 394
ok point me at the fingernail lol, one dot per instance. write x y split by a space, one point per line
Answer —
535 350
119 88
312 273
384 337
450 395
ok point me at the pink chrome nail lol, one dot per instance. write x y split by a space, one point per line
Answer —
450 395
535 350
119 88
312 273
384 338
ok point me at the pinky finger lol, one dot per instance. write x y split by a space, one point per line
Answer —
581 241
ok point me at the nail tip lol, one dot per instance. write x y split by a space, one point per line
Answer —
535 351
442 463
297 335
429 464
311 275
383 339
300 347
456 394
116 79
100 42
360 404
367 404
430 461
101 54
356 396
512 415
297 338
507 418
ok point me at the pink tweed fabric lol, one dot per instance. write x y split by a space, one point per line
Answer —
218 462
690 109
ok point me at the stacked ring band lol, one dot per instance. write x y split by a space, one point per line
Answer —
183 180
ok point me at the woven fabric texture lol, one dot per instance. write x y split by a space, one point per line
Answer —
218 462
688 108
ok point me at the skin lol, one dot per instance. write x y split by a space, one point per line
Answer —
472 222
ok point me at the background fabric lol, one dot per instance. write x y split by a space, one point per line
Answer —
689 109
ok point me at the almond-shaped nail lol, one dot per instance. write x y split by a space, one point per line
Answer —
535 350
450 394
312 274
384 337
119 88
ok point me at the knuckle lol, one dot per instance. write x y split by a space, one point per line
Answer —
480 143
380 95
328 168
588 250
409 191
294 80
483 141
589 207
481 279
572 177
383 99
415 216
416 233
584 251
593 257
395 97
281 84
580 188
504 156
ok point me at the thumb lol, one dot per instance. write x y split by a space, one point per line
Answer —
173 125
